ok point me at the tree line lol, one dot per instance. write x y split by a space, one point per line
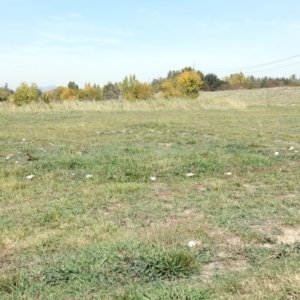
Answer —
185 83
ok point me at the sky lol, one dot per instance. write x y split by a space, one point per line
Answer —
54 42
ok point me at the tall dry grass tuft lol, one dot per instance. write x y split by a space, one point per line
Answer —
279 96
290 284
221 100
113 105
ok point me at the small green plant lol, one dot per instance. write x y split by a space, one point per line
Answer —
169 265
167 292
8 283
53 276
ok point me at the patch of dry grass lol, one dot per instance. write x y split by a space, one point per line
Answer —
113 105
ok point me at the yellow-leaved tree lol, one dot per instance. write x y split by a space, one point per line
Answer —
239 80
132 89
69 94
189 83
142 91
26 94
170 89
90 92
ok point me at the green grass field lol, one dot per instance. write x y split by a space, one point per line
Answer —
117 234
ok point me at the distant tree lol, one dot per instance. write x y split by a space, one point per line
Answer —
46 97
26 94
173 74
72 85
70 94
190 83
264 82
142 91
239 80
58 92
170 88
90 92
53 95
132 89
127 87
276 82
178 83
293 81
211 82
5 93
111 91
187 69
156 83
293 77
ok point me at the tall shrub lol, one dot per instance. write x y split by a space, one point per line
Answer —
190 83
26 94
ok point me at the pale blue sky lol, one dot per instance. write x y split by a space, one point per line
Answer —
54 42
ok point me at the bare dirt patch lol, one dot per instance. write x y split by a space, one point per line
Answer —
189 212
289 236
165 144
199 187
218 268
282 234
227 240
229 258
164 195
232 247
164 192
249 188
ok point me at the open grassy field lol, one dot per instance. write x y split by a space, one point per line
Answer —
117 234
